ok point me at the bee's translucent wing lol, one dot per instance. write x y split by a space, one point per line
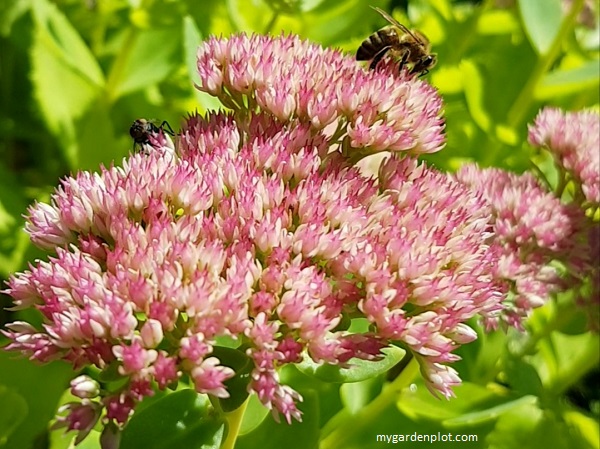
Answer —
394 22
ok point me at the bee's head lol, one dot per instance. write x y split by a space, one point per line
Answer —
424 64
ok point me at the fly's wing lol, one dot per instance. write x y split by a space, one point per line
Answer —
417 37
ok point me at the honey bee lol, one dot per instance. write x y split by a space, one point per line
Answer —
142 131
409 47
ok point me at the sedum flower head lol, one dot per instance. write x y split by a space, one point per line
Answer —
534 230
258 228
573 138
292 79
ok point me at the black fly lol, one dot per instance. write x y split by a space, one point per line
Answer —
145 131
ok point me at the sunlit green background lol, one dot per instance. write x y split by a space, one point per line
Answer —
74 75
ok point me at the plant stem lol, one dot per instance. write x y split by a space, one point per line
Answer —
234 421
271 22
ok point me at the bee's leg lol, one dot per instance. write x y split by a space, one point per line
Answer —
418 68
378 56
404 59
168 129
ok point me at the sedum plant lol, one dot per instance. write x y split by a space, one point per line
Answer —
255 243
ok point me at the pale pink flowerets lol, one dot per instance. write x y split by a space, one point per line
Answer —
534 230
573 138
258 229
295 79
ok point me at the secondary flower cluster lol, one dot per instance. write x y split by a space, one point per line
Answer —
293 79
573 138
535 230
257 228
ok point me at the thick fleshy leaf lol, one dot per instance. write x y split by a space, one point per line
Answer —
179 420
360 369
237 386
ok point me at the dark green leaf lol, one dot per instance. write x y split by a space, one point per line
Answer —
360 369
179 420
523 377
237 386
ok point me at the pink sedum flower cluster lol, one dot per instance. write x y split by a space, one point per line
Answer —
573 138
534 230
256 227
293 79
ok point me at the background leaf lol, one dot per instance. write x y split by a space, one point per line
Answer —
181 419
542 19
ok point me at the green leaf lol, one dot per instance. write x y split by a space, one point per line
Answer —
179 420
488 414
357 395
572 355
247 17
474 94
40 387
529 427
13 240
65 76
523 377
359 371
237 386
10 12
147 58
497 21
568 81
95 139
13 411
479 402
255 413
297 435
584 426
541 20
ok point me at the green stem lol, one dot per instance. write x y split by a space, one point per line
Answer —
364 420
271 23
234 421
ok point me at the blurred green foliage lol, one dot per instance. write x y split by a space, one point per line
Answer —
75 74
